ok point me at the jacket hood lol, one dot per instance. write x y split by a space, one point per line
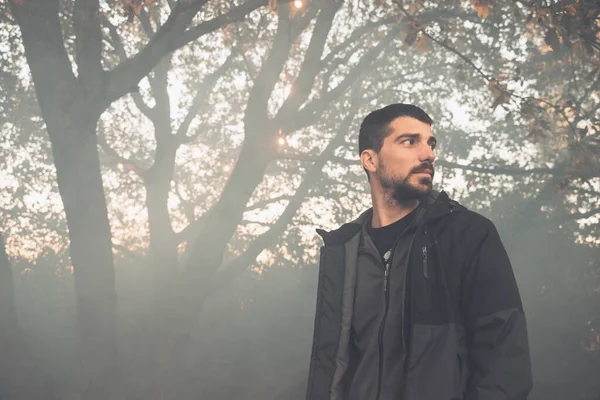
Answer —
438 206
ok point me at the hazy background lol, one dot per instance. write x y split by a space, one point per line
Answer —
164 166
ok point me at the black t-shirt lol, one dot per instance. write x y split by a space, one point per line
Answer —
385 237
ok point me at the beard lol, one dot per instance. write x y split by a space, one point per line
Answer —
402 189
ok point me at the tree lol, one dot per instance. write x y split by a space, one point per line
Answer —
71 106
338 61
180 296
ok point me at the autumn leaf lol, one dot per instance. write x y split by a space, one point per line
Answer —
501 94
482 7
544 48
493 86
134 7
542 11
421 41
570 8
414 7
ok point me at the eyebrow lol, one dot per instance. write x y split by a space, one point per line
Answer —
432 139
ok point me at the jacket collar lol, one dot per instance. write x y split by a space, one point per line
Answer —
438 205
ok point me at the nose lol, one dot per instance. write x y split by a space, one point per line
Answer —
427 154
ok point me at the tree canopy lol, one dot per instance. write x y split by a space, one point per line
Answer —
201 139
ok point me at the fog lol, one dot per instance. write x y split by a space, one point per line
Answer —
164 167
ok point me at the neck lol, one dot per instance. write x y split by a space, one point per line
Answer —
387 210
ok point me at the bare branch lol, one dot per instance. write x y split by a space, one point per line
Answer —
355 37
251 69
311 64
145 22
259 223
241 263
489 78
256 114
51 68
116 40
186 205
235 14
263 203
466 59
191 231
159 82
125 77
120 51
203 90
579 190
585 215
145 109
127 163
311 111
171 36
499 170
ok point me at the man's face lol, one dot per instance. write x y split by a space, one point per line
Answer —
406 159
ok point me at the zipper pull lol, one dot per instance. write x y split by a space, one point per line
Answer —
385 277
424 258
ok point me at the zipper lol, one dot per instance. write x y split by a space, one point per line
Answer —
386 294
386 282
386 271
424 258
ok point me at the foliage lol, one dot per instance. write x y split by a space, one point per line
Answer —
240 141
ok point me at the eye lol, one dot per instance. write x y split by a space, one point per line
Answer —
410 141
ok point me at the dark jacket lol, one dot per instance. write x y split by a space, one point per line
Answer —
464 325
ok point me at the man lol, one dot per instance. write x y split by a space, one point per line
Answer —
416 298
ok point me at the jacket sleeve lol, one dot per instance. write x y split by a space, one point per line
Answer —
498 349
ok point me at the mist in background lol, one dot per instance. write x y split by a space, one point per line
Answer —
164 166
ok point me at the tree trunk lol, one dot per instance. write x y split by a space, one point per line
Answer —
71 111
82 193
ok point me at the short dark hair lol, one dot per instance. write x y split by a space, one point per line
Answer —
375 127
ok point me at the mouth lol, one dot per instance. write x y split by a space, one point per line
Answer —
426 172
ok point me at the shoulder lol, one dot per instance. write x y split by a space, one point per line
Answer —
345 232
475 232
340 235
476 222
468 222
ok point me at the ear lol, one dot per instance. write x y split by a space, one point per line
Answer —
369 160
